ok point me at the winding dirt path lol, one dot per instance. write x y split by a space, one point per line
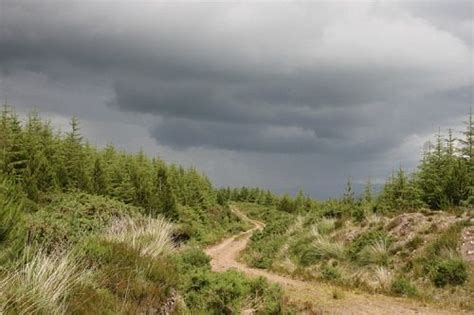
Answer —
317 298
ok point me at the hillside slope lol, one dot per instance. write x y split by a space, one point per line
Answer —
309 295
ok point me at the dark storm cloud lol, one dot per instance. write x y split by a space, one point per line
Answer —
182 133
337 82
248 137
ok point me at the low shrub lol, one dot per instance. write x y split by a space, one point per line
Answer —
339 223
451 271
359 213
366 239
194 258
124 277
446 241
439 260
69 218
401 286
331 273
207 226
231 292
264 245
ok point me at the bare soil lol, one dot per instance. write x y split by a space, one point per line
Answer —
312 297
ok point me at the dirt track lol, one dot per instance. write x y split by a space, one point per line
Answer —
319 296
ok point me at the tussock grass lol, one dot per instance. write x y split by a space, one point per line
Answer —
41 285
326 226
296 226
373 219
151 237
323 227
376 253
383 278
379 279
324 248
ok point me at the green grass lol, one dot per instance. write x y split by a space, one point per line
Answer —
323 248
365 256
12 223
41 284
208 226
452 271
63 220
369 238
376 253
265 245
103 255
218 293
401 286
440 259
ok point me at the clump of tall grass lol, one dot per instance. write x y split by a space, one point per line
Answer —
151 237
323 227
376 253
326 226
40 285
383 278
379 278
373 219
324 248
296 226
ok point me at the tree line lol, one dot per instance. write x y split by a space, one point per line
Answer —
42 161
444 179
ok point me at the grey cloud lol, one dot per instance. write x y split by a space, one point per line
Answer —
183 133
455 17
334 83
189 133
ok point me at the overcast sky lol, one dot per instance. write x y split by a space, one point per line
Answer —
287 95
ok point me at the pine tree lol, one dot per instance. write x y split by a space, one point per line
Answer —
432 176
14 155
99 178
467 157
121 186
299 200
400 193
286 204
74 159
269 198
368 192
244 194
468 141
221 197
10 210
165 200
349 193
